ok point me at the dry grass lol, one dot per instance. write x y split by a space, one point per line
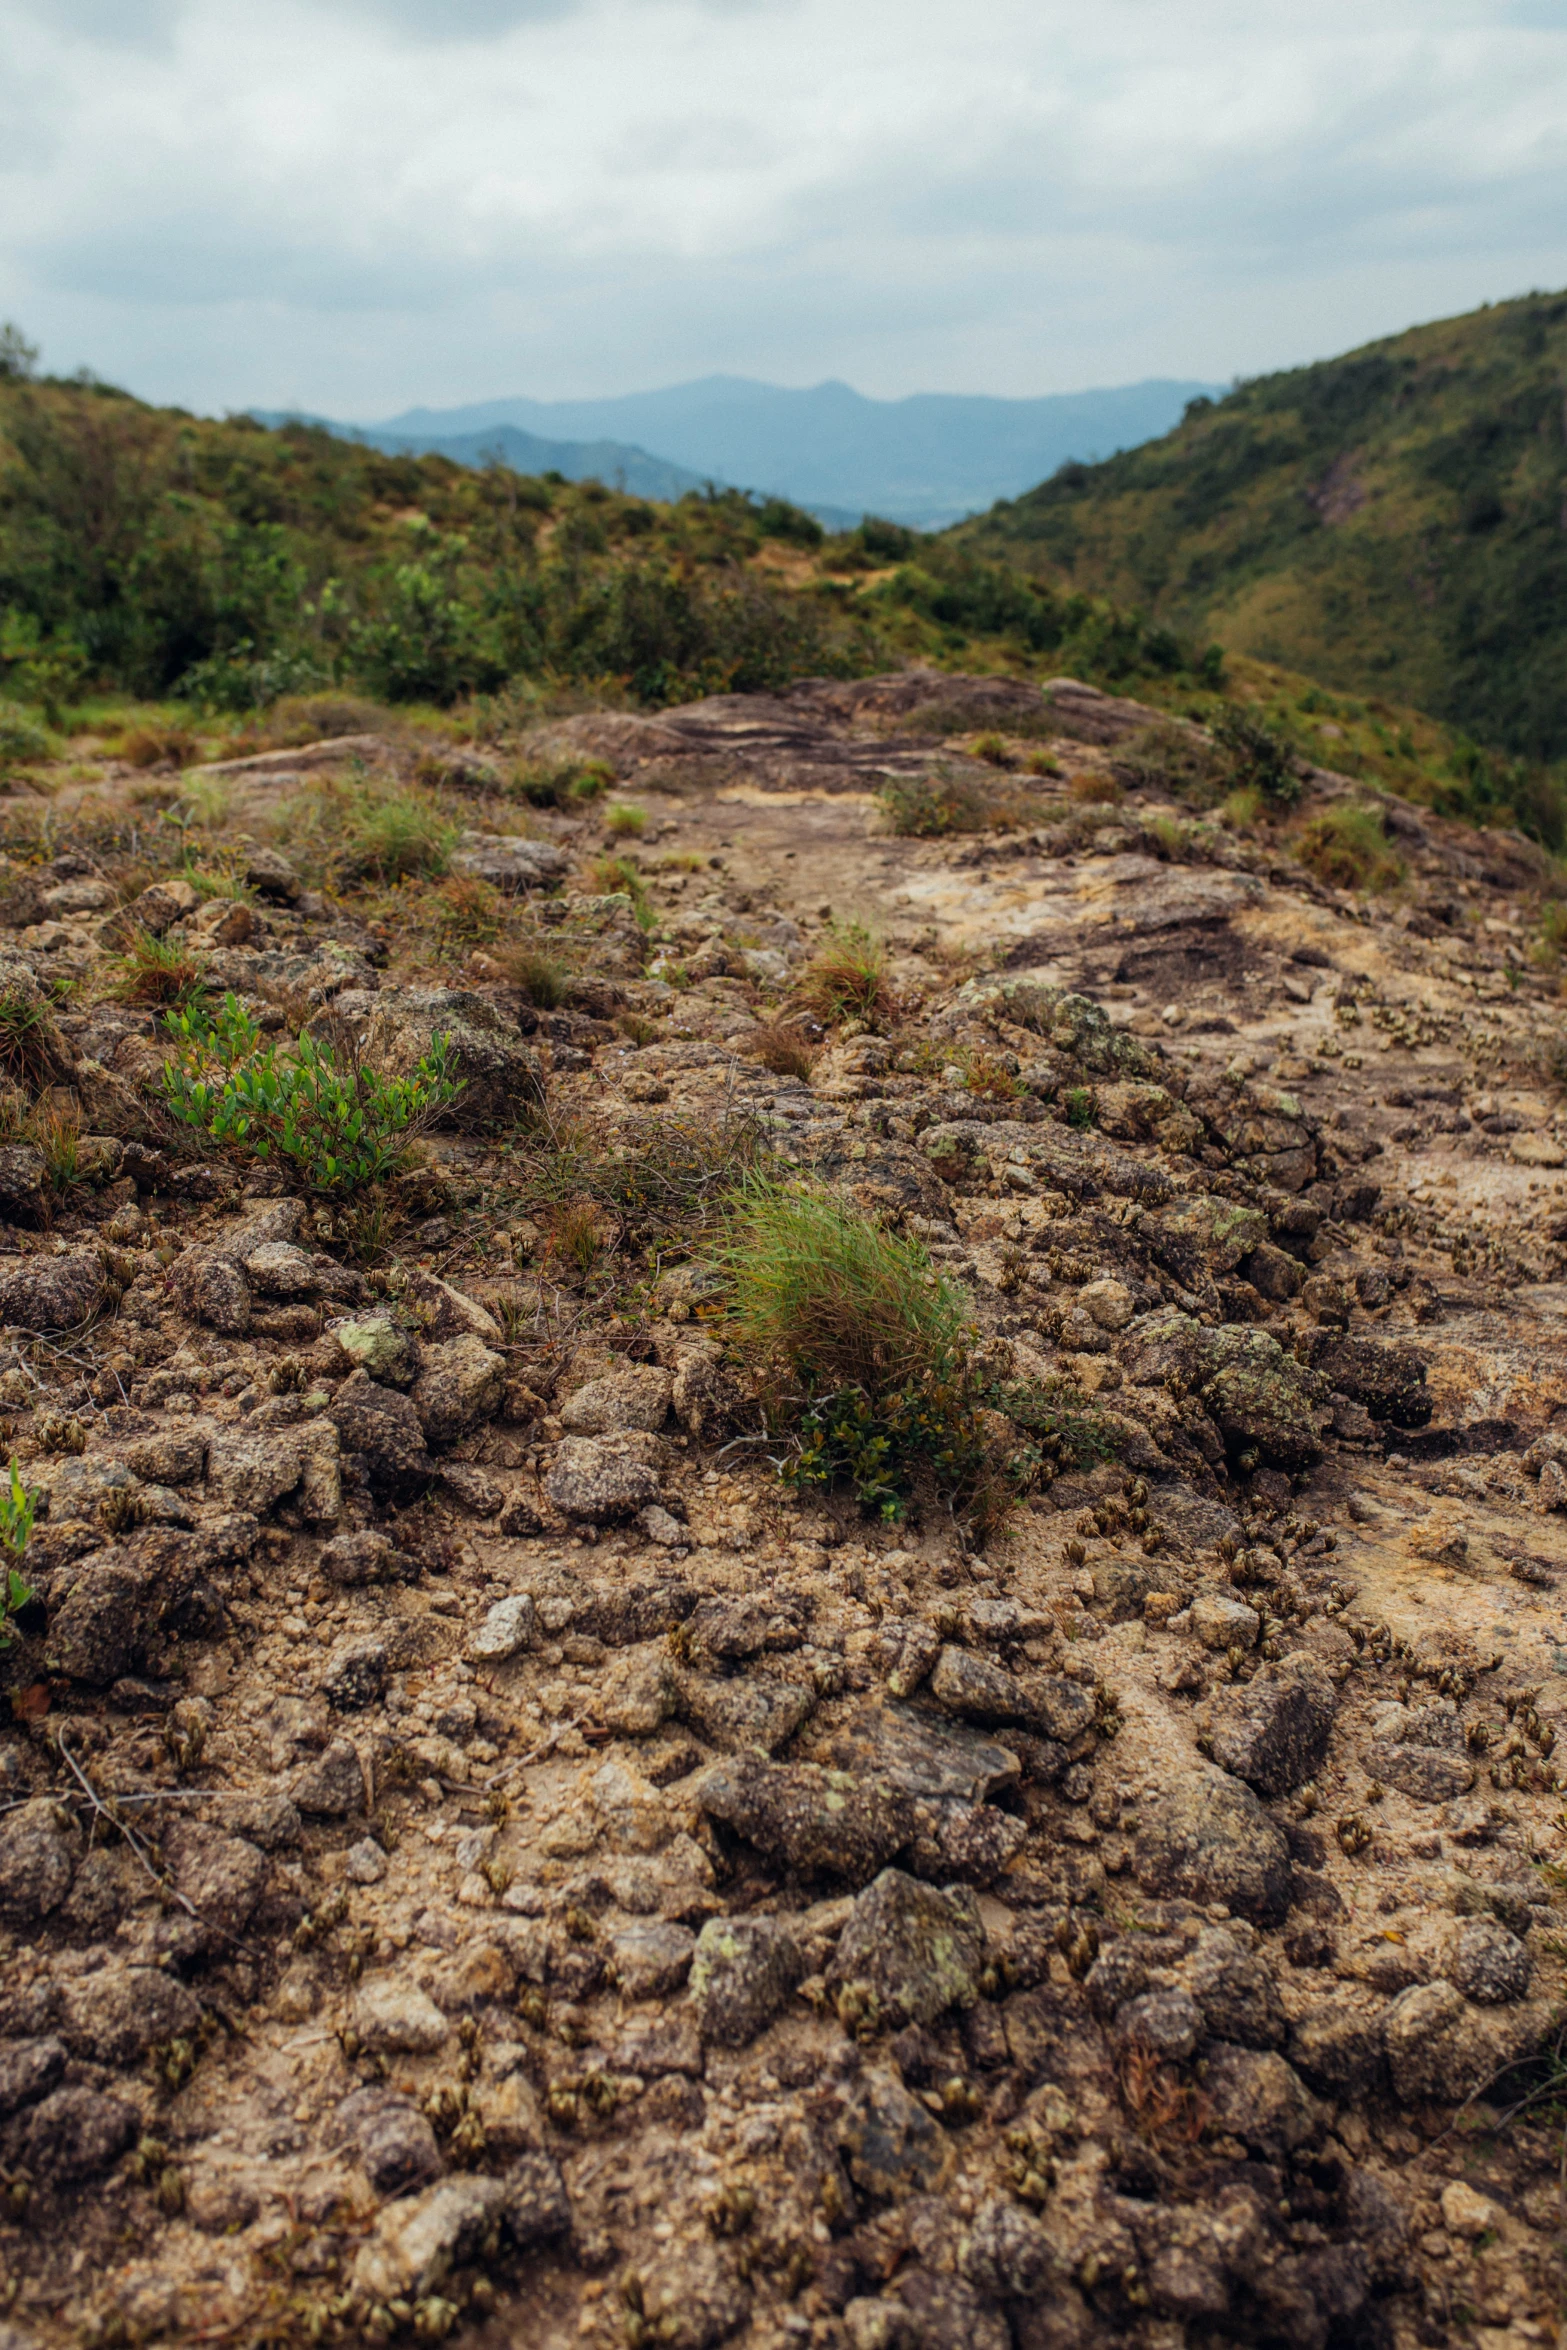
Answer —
1096 790
785 1047
147 746
156 971
1347 847
29 1040
543 979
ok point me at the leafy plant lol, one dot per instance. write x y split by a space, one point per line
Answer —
18 1505
846 979
1081 1107
344 1128
1258 759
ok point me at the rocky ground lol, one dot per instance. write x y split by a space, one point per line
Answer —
480 1855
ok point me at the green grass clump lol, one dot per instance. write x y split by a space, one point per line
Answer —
927 807
625 820
618 877
1347 847
342 1127
22 740
29 1040
867 1350
545 982
398 836
156 971
562 783
846 979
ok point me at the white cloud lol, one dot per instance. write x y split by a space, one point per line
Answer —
353 205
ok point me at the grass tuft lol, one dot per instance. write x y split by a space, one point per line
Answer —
785 1047
846 979
1347 847
29 1040
157 971
625 820
927 807
544 981
398 836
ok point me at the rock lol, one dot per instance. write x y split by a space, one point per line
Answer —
636 1396
356 1559
693 2298
1273 1273
1389 1381
1467 2214
1424 1773
508 1629
742 1971
37 1860
706 1397
891 2144
1438 2046
1488 1964
1338 2046
207 1287
1273 1730
1261 1400
450 1312
808 1817
1108 1302
904 1651
364 1863
590 1479
1007 2251
76 2133
51 1293
270 874
222 1876
1167 2022
1238 1996
29 2069
498 1069
252 1468
751 1715
1258 2098
926 2306
1221 1623
461 1384
374 1344
660 1527
171 1456
648 1961
916 1951
639 1692
393 2017
355 1674
420 2239
537 2206
333 1785
1120 1588
24 1183
395 2144
117 2014
509 861
1206 1838
385 1429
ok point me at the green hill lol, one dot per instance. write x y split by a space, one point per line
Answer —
1390 523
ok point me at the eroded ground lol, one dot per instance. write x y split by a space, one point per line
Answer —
482 1856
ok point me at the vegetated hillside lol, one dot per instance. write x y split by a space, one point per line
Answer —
1389 522
618 464
153 552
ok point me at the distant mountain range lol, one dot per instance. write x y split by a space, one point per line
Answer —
927 460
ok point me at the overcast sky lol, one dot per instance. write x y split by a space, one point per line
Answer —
355 205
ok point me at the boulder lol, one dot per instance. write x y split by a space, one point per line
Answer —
51 1292
499 1071
592 1478
506 1631
1273 1730
460 1385
1488 1964
116 2014
742 1971
333 1785
1206 1838
649 1959
915 1950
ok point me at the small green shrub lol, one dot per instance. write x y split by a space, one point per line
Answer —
1347 847
927 807
343 1128
992 748
1551 940
17 1507
1081 1107
1257 758
625 821
561 783
846 979
21 740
